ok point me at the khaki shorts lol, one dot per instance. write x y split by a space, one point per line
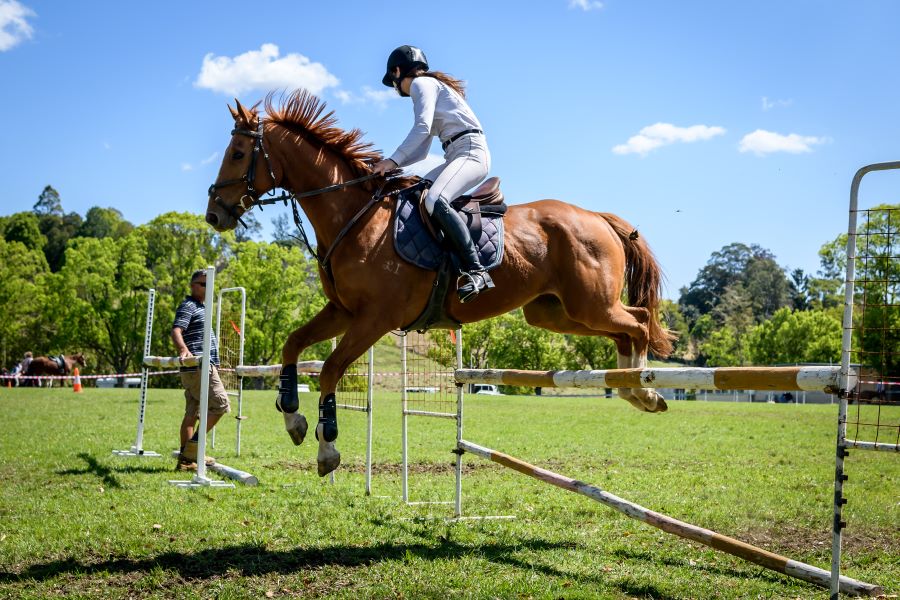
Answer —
218 398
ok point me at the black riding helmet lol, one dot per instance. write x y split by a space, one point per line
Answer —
407 58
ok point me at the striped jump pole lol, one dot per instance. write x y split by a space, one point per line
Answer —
668 524
826 379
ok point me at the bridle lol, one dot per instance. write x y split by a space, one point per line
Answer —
255 198
249 178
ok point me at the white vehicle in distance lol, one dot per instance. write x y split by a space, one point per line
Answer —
485 388
110 382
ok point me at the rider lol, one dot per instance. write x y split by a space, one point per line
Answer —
440 109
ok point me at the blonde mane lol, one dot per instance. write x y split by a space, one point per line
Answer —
302 114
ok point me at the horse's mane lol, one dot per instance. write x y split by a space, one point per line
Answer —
302 113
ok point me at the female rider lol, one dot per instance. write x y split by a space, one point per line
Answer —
440 109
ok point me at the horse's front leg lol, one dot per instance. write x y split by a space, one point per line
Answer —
361 334
328 323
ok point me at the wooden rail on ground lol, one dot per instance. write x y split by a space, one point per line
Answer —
668 524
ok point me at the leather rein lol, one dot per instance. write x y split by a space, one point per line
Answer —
255 198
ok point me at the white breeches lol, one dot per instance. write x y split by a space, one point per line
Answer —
466 164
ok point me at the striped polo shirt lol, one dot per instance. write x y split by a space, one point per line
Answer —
189 317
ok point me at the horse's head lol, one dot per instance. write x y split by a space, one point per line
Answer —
246 172
79 358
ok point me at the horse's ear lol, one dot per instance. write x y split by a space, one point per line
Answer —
234 113
242 112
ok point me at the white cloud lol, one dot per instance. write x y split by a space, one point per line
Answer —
14 25
209 159
762 142
379 98
263 70
663 134
585 4
770 104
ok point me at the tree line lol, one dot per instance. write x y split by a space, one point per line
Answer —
70 283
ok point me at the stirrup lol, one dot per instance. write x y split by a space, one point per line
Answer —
471 283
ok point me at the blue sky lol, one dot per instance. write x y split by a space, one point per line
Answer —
702 123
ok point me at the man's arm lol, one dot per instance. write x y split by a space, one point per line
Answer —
180 346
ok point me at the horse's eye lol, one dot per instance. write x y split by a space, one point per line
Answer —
238 155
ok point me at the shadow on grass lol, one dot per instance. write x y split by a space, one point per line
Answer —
107 474
249 560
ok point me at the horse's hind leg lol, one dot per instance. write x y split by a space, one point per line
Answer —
547 312
362 333
329 322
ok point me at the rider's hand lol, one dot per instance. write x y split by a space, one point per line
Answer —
185 353
383 166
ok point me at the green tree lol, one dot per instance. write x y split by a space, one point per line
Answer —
58 229
22 296
103 287
518 345
24 228
104 222
797 337
48 203
877 312
281 296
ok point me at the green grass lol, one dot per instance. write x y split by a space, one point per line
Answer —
78 522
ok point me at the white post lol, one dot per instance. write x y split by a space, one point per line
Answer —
369 391
404 476
138 448
459 425
205 364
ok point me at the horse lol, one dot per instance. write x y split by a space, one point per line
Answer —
564 265
54 365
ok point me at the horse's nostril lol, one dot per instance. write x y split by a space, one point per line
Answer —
212 219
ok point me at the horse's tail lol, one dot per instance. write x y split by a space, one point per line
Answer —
643 282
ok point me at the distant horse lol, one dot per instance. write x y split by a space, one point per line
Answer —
53 365
565 266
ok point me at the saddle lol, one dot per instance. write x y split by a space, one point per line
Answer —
60 363
487 194
420 243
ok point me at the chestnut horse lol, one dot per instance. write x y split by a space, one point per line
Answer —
565 266
44 365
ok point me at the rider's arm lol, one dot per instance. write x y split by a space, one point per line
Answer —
424 93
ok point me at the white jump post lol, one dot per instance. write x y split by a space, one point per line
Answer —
668 524
851 386
200 479
138 448
239 392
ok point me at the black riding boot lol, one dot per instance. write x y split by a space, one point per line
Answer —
474 279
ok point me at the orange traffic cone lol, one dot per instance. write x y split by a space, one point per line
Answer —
77 385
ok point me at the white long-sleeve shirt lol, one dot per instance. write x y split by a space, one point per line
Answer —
439 111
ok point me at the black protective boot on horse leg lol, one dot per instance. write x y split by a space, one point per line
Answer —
473 279
288 402
326 432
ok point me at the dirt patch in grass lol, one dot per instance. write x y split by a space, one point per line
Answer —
428 468
797 540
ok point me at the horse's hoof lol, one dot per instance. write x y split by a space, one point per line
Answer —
296 426
328 459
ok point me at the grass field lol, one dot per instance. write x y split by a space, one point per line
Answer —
78 522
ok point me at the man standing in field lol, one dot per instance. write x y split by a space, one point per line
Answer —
187 333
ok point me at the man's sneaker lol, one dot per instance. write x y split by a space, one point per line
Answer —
190 452
185 464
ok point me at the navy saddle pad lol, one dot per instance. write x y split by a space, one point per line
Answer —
415 244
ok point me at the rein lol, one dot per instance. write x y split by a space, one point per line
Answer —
255 200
